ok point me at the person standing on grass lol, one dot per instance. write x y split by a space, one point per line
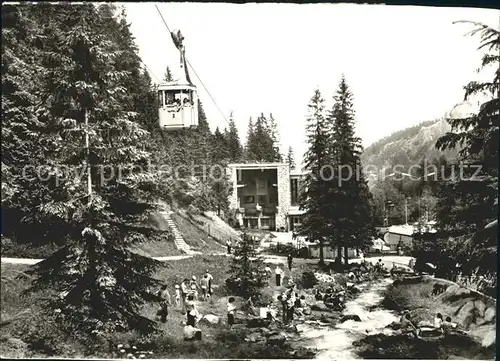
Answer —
228 244
290 303
184 294
268 272
164 303
290 260
177 295
231 310
278 271
193 285
191 311
282 299
210 279
204 287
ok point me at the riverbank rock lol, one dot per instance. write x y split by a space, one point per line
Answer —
254 337
304 353
210 319
258 322
345 318
277 340
319 306
489 314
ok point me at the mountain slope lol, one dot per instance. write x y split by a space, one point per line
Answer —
411 146
406 148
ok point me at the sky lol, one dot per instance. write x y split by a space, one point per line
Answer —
404 64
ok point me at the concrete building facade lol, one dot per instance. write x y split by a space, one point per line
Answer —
265 195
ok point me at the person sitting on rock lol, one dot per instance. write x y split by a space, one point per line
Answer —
438 321
407 325
299 305
318 296
231 310
191 310
191 333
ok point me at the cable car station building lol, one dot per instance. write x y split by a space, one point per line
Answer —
265 195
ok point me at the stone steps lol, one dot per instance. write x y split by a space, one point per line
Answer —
178 239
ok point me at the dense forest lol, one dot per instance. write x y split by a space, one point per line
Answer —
84 164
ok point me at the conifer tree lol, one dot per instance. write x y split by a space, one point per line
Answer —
274 135
101 283
315 222
250 140
233 141
467 208
246 278
220 151
349 200
168 77
290 158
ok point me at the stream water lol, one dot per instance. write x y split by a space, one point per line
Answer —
335 342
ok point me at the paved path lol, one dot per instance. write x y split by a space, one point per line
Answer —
387 260
32 261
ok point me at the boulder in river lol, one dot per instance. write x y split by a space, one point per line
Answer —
350 317
319 306
210 319
489 314
258 322
277 340
254 337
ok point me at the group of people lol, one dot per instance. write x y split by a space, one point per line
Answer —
185 295
292 304
439 324
333 298
278 272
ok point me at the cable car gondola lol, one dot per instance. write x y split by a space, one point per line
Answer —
178 100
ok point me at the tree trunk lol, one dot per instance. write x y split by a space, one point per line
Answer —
346 256
321 255
338 259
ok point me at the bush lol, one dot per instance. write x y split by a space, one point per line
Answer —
42 334
308 280
283 249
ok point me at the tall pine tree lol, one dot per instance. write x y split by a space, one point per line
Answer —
233 141
467 208
168 77
290 158
312 200
349 200
101 283
274 135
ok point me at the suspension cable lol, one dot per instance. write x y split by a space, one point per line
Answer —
194 71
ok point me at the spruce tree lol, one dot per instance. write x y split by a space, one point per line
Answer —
349 200
233 141
467 207
290 158
249 156
274 135
101 283
168 77
246 278
220 151
312 200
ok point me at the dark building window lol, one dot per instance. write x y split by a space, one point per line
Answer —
294 192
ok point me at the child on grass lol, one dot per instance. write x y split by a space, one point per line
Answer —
231 310
177 295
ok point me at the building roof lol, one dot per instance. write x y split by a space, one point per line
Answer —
256 165
295 211
297 172
404 229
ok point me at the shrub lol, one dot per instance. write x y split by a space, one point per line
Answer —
308 280
247 277
283 249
